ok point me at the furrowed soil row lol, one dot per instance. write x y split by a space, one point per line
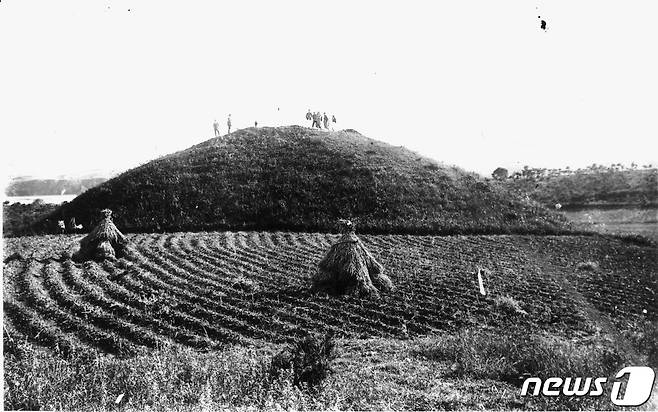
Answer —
315 242
277 301
241 303
381 311
195 332
619 290
94 315
233 316
95 296
427 283
178 325
205 290
190 302
10 334
263 306
187 312
387 313
278 297
239 262
340 316
361 310
30 290
521 288
36 330
549 289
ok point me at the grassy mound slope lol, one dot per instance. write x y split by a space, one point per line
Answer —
295 178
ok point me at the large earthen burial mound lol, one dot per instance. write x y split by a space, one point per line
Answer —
296 178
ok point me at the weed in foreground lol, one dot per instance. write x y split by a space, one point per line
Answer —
484 353
309 359
516 355
509 305
589 265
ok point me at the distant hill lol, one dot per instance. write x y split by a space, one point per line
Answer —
296 178
46 187
596 185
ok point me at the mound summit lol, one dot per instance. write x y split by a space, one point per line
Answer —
296 178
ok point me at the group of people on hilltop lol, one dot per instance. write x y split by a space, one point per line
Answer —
215 126
317 119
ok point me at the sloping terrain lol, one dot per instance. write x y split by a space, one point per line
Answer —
296 178
594 186
207 289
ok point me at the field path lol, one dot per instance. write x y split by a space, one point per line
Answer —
562 275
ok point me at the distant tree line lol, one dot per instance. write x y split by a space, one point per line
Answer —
596 184
50 187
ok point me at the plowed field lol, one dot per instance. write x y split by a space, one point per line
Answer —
206 289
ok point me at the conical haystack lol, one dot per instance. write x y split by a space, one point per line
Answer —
349 268
105 241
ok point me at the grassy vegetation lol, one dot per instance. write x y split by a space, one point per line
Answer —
516 355
595 185
16 217
474 369
509 305
299 179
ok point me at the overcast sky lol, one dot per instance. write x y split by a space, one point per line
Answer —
107 85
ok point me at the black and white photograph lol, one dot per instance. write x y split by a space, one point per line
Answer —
341 205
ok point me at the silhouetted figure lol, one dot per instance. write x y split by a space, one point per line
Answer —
256 123
309 116
215 126
325 120
316 120
228 123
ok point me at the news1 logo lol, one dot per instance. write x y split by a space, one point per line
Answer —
638 388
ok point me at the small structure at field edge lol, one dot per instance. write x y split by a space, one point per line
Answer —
349 268
105 241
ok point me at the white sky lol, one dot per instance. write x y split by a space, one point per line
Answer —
106 85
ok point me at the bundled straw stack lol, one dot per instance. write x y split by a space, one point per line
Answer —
104 242
349 268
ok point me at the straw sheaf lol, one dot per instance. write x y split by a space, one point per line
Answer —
105 241
349 268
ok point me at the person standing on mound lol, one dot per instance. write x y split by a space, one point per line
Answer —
215 126
325 120
228 123
309 116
